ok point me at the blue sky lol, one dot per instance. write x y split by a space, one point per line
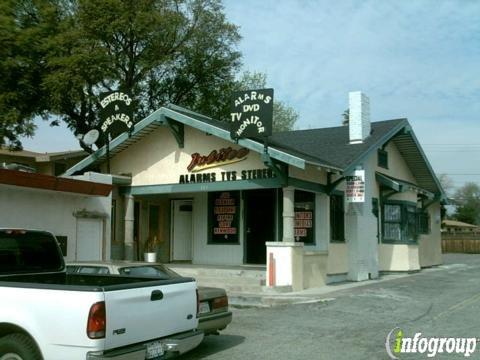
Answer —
414 59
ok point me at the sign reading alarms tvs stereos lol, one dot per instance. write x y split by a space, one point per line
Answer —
251 114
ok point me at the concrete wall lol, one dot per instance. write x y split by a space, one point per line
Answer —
52 211
337 259
314 269
398 257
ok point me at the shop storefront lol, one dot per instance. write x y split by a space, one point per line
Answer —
184 188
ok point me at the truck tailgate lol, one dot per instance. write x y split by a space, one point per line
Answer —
137 315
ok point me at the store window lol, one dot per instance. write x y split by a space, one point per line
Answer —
337 218
403 222
223 217
304 228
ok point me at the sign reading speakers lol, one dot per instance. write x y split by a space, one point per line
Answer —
251 114
116 114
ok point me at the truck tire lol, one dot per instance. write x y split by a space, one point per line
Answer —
18 347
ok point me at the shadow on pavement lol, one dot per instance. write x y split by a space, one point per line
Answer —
213 344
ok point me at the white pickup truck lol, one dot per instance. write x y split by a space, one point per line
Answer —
47 314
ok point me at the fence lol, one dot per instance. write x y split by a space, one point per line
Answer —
461 243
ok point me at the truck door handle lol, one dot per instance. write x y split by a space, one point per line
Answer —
156 295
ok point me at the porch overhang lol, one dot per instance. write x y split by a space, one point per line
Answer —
398 185
158 189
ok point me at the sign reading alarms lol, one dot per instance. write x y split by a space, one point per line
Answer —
251 114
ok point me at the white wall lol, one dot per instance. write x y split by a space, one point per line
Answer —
53 211
157 159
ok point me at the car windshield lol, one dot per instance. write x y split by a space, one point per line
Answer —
158 271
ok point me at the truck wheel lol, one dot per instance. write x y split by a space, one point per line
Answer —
18 347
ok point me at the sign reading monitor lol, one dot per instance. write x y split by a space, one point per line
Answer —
252 113
116 113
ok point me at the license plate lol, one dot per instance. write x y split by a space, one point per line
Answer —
154 349
204 307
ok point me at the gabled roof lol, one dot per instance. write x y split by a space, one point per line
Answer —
325 147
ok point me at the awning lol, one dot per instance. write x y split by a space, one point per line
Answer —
401 185
53 183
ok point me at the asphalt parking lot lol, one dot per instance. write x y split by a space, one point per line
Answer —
354 323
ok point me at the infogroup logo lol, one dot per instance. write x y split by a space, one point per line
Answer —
396 343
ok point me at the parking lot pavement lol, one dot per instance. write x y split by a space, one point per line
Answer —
353 323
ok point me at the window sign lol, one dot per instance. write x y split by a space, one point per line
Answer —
304 230
223 211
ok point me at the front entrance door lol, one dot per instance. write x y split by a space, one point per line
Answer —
89 239
182 233
259 224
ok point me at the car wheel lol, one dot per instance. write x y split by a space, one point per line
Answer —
18 347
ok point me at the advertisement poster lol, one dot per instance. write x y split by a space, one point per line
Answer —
355 187
224 210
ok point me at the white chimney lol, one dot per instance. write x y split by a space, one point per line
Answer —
359 116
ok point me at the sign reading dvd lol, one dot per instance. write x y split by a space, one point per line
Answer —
252 113
116 113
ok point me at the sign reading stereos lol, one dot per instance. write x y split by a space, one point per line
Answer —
116 113
355 187
221 157
251 114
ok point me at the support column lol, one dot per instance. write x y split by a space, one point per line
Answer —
285 258
129 219
288 214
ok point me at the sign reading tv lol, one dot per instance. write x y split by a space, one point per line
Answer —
251 114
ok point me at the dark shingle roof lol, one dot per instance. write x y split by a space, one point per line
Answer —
331 145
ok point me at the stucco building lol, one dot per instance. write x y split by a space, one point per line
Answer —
315 206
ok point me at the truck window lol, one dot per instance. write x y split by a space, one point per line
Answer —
147 270
28 251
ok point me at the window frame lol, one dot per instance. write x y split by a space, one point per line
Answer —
340 196
409 223
382 158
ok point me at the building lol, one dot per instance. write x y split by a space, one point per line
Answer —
55 163
182 183
77 210
459 227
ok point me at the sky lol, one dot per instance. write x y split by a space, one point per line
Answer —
414 59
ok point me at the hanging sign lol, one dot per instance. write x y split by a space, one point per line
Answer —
116 113
355 187
251 114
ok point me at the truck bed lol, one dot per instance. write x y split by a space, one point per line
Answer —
84 282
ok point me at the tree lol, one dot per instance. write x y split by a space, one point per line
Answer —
446 182
20 72
284 116
160 51
467 199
